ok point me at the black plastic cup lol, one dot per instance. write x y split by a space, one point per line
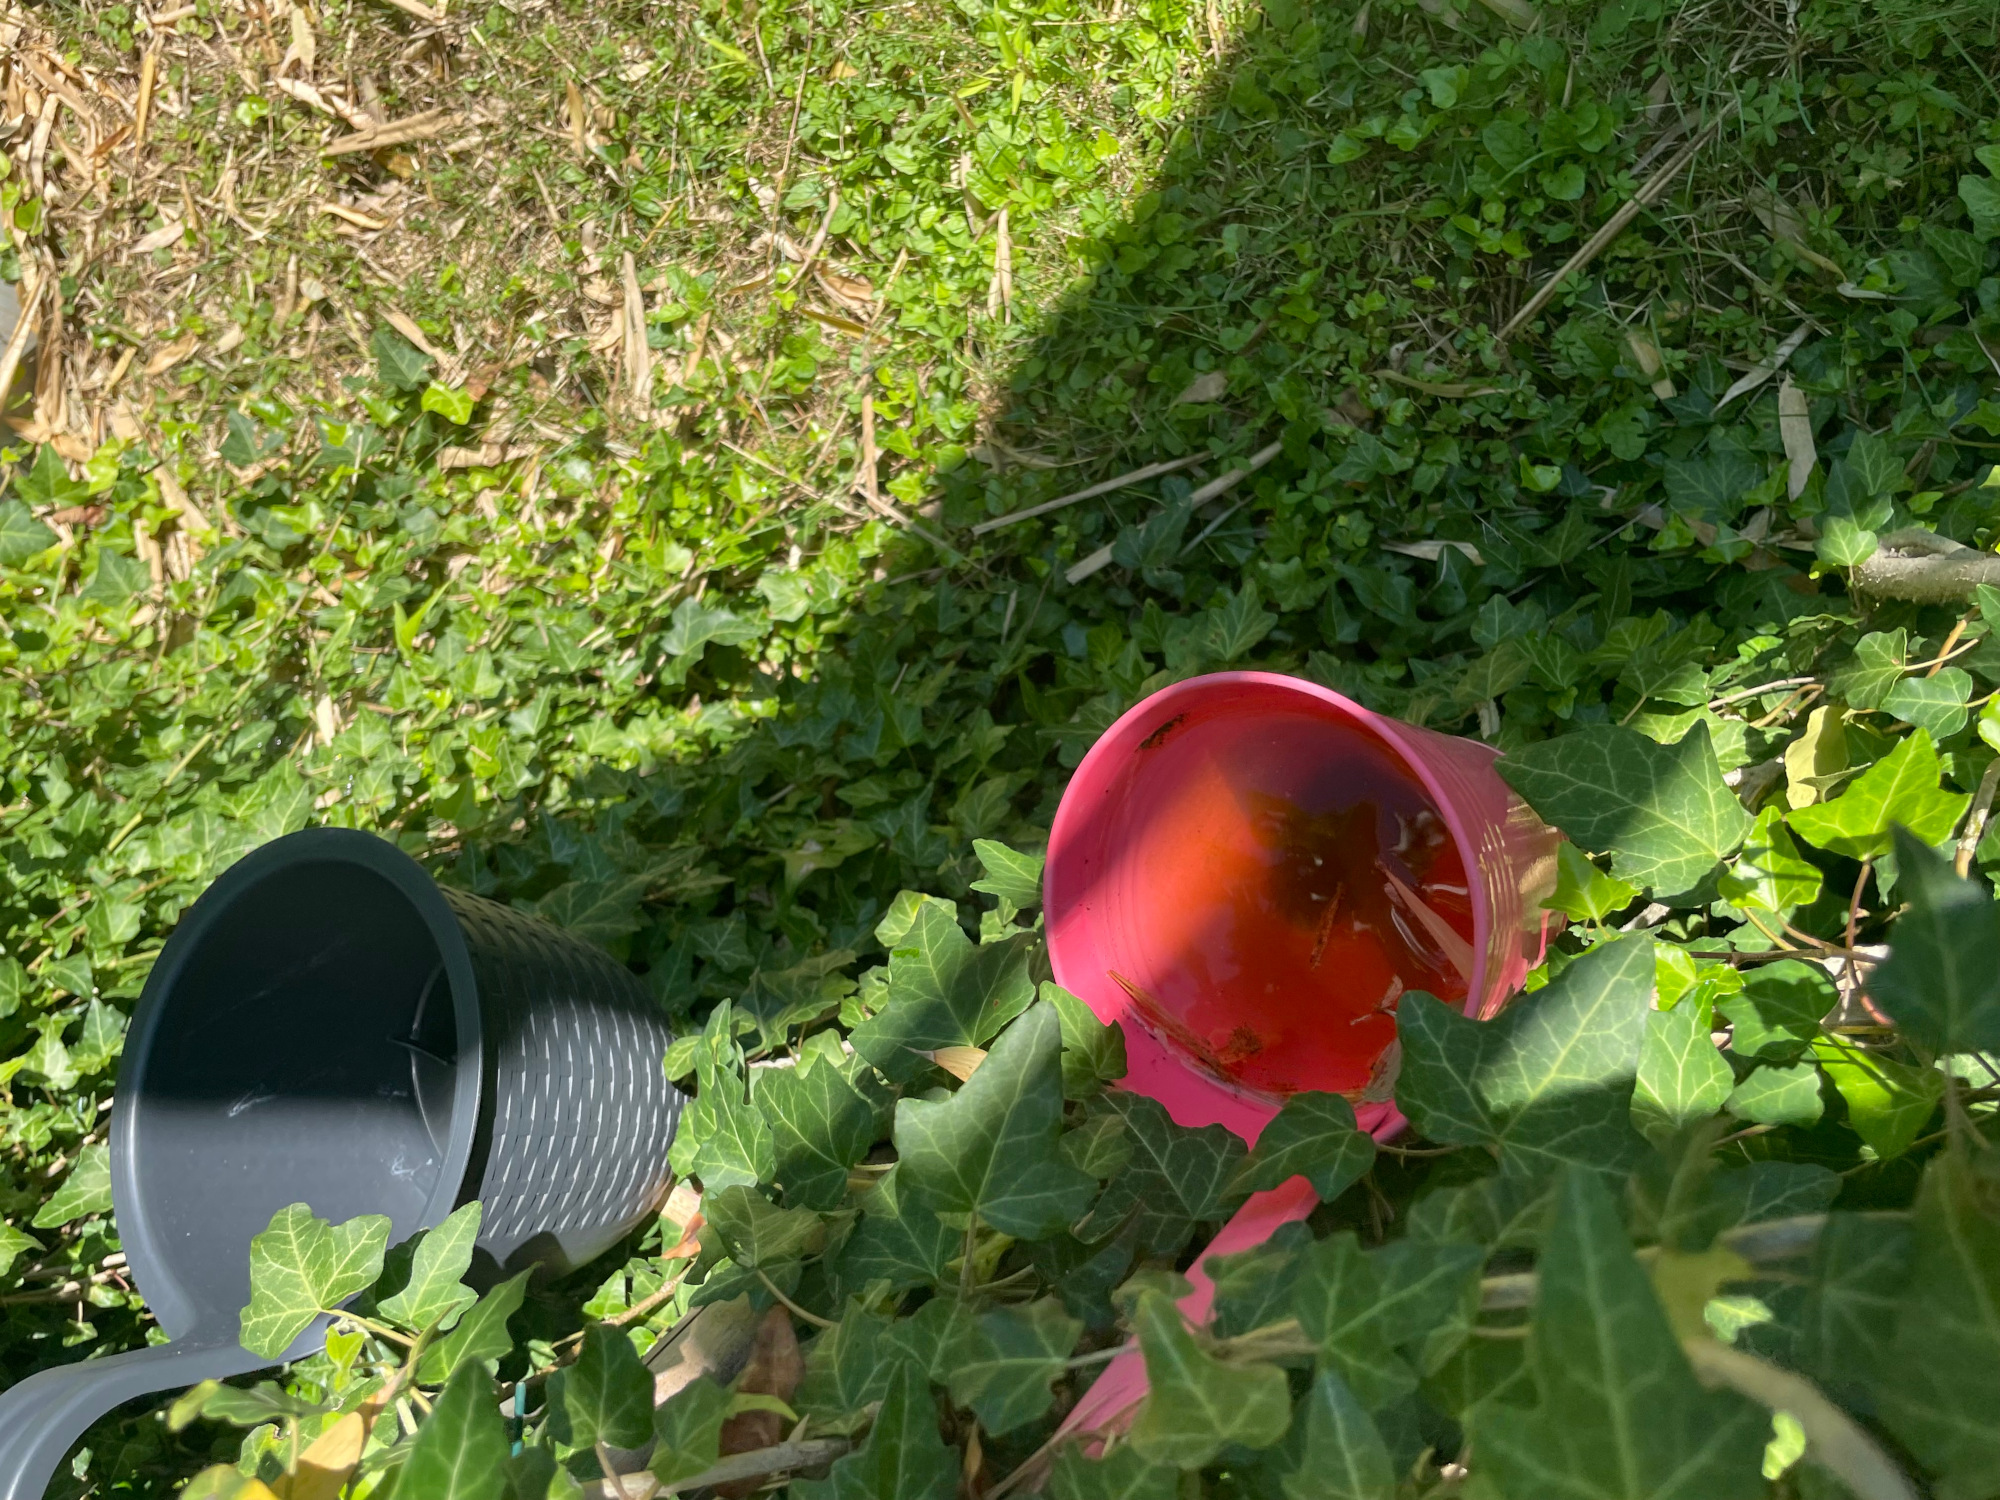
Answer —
329 1026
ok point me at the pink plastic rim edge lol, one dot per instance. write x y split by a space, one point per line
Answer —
1192 1095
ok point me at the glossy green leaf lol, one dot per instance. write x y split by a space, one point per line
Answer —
1174 1178
1888 1102
1003 1366
1010 875
1585 892
605 1397
902 1458
1620 1416
687 1430
1196 1404
460 1451
1661 811
1941 984
86 1190
1902 787
1093 1051
301 1267
943 992
900 1241
756 1232
1341 1452
450 402
481 1335
21 535
820 1128
1932 701
1682 1077
434 1295
1770 874
1313 1136
1121 1474
1546 1081
1776 1014
1774 1095
990 1149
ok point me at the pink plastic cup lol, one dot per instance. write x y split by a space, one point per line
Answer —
1105 921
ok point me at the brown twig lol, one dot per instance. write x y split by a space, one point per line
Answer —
1135 476
1975 822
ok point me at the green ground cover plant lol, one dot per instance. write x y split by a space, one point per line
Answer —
713 654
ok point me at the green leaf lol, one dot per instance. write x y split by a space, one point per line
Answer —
460 1451
1888 1102
1901 787
848 1365
1778 1096
399 364
693 626
1548 1080
1936 702
301 1267
759 1234
598 911
1009 875
1847 1329
1121 1474
87 1190
903 1458
1237 627
114 579
48 482
21 535
1341 1452
1361 1307
1196 1404
1174 1179
14 1243
1770 874
1776 1014
990 1149
434 1296
1981 197
687 1430
1583 891
899 1241
1313 1136
1661 811
1944 1385
454 405
943 992
481 1334
723 1138
1941 983
1682 1077
1880 659
1003 1366
1621 1416
1093 1051
606 1396
1845 542
820 1127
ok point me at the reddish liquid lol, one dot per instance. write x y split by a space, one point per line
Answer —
1282 880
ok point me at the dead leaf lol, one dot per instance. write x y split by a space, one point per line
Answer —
485 456
169 233
306 94
304 48
1795 431
1647 357
1764 369
1432 551
857 291
1204 388
743 288
406 325
960 1062
324 1468
1815 760
166 358
355 216
577 119
1451 390
775 1369
835 321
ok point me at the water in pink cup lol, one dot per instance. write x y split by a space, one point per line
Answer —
1247 872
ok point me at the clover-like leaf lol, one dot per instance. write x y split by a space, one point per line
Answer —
302 1266
1941 984
1313 1136
1621 1415
434 1296
1196 1404
990 1149
1662 812
1902 787
1548 1080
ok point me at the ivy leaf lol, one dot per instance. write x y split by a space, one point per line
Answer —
481 1334
302 1266
1778 1096
454 405
1901 787
598 911
1662 812
1174 1179
1936 703
1861 1265
1010 875
1621 1416
606 1396
1360 1307
460 1451
990 1149
114 579
903 1458
1546 1081
1122 1474
687 1430
399 364
1197 1405
21 535
1941 983
1776 1014
434 1296
1093 1051
1584 892
899 1241
1770 874
723 1138
1981 197
693 626
1003 1365
820 1127
1887 1102
1313 1136
1341 1455
87 1190
943 992
1682 1077
1944 1386
1880 659
1235 628
756 1232
14 1243
48 483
